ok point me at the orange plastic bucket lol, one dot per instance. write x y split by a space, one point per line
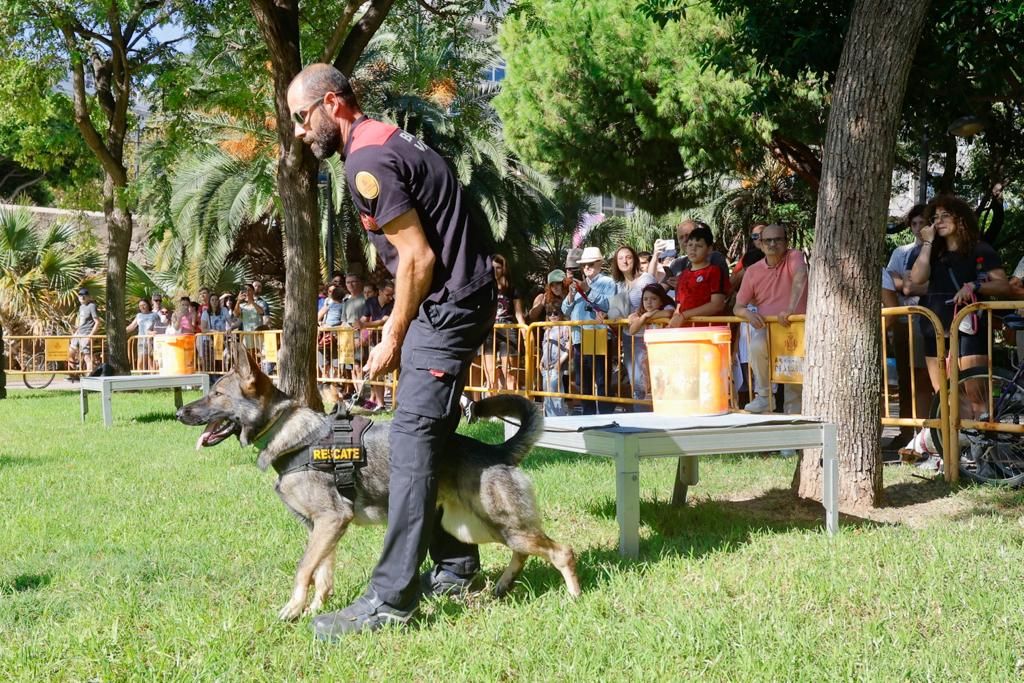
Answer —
689 369
177 353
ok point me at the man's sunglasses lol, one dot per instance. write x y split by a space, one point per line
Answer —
773 240
756 236
299 117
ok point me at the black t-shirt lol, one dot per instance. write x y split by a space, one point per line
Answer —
963 267
389 172
752 256
507 305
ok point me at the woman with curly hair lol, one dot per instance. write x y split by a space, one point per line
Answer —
957 267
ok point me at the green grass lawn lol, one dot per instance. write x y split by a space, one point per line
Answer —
127 555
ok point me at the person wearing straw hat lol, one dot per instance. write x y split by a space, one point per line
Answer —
588 298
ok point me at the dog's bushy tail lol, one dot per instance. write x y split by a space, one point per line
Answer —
526 412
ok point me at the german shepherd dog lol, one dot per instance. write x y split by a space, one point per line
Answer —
484 496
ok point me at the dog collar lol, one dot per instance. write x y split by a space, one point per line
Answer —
261 440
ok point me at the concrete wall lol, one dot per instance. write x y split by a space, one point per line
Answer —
92 221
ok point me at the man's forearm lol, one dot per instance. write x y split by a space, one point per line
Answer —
412 284
797 290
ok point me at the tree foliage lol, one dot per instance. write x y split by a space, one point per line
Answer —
40 270
601 94
41 151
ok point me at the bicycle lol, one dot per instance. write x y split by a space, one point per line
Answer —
36 372
990 456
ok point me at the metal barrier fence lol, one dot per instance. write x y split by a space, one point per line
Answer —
45 356
905 324
579 361
976 413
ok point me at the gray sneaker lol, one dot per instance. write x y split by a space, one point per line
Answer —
367 613
758 405
438 582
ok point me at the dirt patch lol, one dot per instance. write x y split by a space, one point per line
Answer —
910 498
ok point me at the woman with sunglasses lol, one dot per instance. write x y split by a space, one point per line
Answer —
958 268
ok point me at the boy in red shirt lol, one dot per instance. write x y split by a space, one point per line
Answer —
703 287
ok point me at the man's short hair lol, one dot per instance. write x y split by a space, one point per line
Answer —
915 211
319 79
702 232
785 233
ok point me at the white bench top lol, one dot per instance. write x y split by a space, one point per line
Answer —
129 382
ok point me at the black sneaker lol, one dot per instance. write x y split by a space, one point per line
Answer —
438 582
367 613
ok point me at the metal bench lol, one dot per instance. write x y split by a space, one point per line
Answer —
108 385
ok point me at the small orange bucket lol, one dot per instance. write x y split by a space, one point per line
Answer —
689 369
177 353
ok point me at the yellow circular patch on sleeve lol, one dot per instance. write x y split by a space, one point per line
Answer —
367 185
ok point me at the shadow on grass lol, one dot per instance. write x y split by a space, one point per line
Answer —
147 418
993 501
921 490
38 395
23 583
704 526
16 460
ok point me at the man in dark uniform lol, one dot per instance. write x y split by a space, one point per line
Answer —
416 215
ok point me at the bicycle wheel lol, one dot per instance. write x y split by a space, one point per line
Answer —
40 372
989 456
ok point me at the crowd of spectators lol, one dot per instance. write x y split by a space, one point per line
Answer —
947 265
666 287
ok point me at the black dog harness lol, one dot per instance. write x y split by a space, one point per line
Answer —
341 453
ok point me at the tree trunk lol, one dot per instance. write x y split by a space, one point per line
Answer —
843 376
296 184
119 239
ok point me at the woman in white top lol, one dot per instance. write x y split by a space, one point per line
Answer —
144 322
629 283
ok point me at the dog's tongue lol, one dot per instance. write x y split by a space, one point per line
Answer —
205 436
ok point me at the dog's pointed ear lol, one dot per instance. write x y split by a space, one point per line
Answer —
245 364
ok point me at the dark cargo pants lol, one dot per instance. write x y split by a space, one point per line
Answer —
436 354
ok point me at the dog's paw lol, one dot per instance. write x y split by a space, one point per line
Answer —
314 606
292 611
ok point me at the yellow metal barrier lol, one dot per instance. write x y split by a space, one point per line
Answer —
615 358
956 422
51 354
940 422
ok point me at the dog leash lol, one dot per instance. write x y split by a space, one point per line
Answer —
357 394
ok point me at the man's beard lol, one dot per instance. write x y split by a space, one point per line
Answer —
324 140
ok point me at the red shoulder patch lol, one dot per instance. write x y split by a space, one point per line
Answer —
370 133
369 222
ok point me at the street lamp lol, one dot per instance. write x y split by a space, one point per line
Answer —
966 126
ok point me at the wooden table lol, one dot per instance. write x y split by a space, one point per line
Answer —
108 385
628 437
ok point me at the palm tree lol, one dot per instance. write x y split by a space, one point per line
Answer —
40 271
767 193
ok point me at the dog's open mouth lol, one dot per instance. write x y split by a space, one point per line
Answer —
215 432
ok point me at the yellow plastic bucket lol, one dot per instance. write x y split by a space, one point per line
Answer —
689 369
177 353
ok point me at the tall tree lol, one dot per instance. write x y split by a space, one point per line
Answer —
279 24
843 327
601 94
111 48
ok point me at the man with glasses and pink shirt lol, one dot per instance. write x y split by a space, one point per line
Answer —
774 286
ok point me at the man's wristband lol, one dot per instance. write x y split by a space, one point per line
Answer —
926 244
